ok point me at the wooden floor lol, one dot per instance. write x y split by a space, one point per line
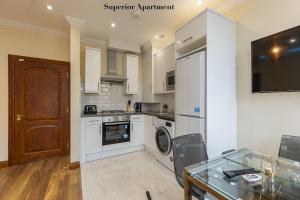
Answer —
47 179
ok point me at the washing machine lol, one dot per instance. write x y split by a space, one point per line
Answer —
165 131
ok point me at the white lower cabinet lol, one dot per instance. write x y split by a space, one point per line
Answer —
149 132
142 135
137 129
93 136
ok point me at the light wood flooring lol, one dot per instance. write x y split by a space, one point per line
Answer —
128 177
47 179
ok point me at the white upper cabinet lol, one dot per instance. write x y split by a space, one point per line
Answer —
164 60
147 64
92 70
191 35
132 74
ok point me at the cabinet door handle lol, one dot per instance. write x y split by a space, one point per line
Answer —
128 87
131 127
98 85
100 130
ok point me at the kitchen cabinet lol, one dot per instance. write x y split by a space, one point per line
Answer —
92 70
132 74
149 132
148 64
137 129
93 135
164 60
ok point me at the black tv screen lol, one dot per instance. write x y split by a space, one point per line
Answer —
276 62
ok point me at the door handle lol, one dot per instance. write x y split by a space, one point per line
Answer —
19 117
131 127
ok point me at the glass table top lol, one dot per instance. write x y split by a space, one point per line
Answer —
285 181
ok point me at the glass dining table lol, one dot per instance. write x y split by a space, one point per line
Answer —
280 178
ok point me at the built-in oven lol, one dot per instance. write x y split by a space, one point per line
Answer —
170 80
116 129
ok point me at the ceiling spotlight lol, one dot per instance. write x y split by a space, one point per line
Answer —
113 25
292 40
199 2
156 36
49 7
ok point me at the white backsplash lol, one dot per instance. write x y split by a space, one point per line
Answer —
111 97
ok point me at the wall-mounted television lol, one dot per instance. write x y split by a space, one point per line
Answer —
276 62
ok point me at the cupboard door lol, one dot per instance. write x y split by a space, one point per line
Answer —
158 73
132 71
149 133
137 129
92 70
93 138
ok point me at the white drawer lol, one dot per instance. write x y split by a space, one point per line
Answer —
93 121
137 118
191 32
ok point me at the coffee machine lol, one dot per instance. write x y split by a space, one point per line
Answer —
138 107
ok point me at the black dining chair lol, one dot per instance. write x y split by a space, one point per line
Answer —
188 150
290 147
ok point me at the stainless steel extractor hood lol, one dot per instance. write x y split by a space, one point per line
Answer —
112 76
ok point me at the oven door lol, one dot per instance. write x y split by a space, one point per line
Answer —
115 132
170 80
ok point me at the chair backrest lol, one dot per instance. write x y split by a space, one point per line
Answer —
187 150
290 147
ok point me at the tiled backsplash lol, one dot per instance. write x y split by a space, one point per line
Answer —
111 97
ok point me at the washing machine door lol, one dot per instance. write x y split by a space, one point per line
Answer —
163 140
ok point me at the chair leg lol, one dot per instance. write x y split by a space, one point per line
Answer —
148 195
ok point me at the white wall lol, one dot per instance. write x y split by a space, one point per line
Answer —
263 118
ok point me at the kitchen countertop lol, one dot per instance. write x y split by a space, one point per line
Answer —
166 116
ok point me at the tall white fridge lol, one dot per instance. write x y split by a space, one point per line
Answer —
190 104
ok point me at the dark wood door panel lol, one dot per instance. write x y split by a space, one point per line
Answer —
47 104
40 103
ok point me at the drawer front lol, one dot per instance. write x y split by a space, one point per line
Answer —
191 32
137 118
93 121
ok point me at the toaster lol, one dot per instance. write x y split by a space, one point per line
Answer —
90 109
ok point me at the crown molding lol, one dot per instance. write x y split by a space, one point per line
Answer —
29 27
74 21
94 41
230 4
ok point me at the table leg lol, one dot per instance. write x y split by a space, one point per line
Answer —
187 187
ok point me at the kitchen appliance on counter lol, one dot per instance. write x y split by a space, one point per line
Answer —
90 109
116 128
170 80
138 107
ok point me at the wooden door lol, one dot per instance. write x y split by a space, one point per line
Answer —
39 109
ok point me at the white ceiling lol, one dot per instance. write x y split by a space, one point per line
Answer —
97 26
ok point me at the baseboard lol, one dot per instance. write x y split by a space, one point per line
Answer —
110 153
74 165
3 164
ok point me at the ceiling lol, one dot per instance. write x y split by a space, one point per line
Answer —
97 20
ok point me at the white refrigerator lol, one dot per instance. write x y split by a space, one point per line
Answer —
190 96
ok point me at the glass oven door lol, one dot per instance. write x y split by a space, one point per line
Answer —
115 132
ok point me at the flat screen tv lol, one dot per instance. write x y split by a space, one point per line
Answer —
276 62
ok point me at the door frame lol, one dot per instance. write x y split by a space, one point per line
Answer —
11 99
